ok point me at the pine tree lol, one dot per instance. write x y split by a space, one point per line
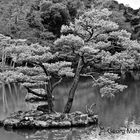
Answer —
94 36
91 38
34 70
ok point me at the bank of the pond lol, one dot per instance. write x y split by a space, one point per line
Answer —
37 119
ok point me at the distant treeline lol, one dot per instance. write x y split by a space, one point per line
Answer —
41 20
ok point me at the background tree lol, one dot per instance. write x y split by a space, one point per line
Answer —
54 16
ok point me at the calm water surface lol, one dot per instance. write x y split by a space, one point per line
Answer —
115 115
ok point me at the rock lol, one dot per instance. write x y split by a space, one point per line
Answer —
80 120
93 119
54 124
43 108
10 123
38 119
41 124
65 124
61 124
26 124
76 113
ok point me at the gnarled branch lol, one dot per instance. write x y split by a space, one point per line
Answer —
90 35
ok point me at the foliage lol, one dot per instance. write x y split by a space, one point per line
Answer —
88 37
92 40
54 17
107 85
125 16
116 49
13 17
90 24
37 70
20 17
94 32
75 7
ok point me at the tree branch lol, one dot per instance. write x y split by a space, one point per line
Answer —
49 86
88 75
34 93
42 66
91 34
55 84
39 64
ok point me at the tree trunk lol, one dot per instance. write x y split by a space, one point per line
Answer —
49 90
74 86
49 97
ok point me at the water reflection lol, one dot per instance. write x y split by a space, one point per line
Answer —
11 99
116 112
89 133
121 112
61 134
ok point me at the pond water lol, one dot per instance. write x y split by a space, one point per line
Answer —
119 117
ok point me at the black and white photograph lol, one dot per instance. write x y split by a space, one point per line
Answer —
69 69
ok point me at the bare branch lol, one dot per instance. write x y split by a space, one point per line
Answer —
88 75
58 82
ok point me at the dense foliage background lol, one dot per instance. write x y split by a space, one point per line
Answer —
38 20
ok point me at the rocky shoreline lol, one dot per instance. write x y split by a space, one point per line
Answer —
35 119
